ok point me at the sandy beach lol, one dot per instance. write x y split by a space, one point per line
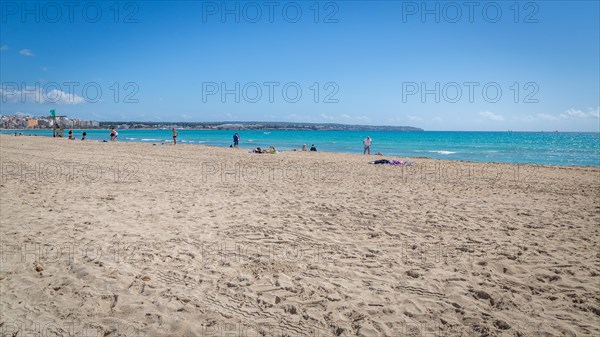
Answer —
136 239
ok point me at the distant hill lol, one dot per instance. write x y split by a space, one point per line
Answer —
234 125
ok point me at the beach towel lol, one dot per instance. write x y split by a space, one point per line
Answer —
393 162
264 152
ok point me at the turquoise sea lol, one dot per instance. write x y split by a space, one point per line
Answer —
581 149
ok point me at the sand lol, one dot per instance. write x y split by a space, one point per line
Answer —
132 239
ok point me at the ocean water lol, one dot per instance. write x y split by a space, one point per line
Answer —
568 149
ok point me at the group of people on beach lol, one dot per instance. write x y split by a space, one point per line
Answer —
271 149
366 149
312 148
71 135
367 142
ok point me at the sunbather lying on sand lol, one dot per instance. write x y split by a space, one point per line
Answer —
392 162
271 150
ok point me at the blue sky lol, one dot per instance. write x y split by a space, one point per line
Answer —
354 62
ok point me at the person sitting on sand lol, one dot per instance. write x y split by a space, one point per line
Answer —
313 148
379 154
71 134
304 147
83 135
257 150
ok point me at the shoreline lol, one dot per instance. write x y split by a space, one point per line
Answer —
169 143
357 130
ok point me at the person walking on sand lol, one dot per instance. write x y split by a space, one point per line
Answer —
236 140
367 143
174 136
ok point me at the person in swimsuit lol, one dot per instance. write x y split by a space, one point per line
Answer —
367 143
113 135
174 136
236 139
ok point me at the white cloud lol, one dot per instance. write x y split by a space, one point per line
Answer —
44 68
413 118
579 114
572 114
3 47
61 97
324 116
26 52
491 116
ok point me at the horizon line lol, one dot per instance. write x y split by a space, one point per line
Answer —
420 129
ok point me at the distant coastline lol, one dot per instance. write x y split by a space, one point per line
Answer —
237 125
24 121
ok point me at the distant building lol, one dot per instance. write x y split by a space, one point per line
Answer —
31 123
44 123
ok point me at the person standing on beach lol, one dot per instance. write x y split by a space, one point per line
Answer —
367 143
113 135
174 136
236 140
